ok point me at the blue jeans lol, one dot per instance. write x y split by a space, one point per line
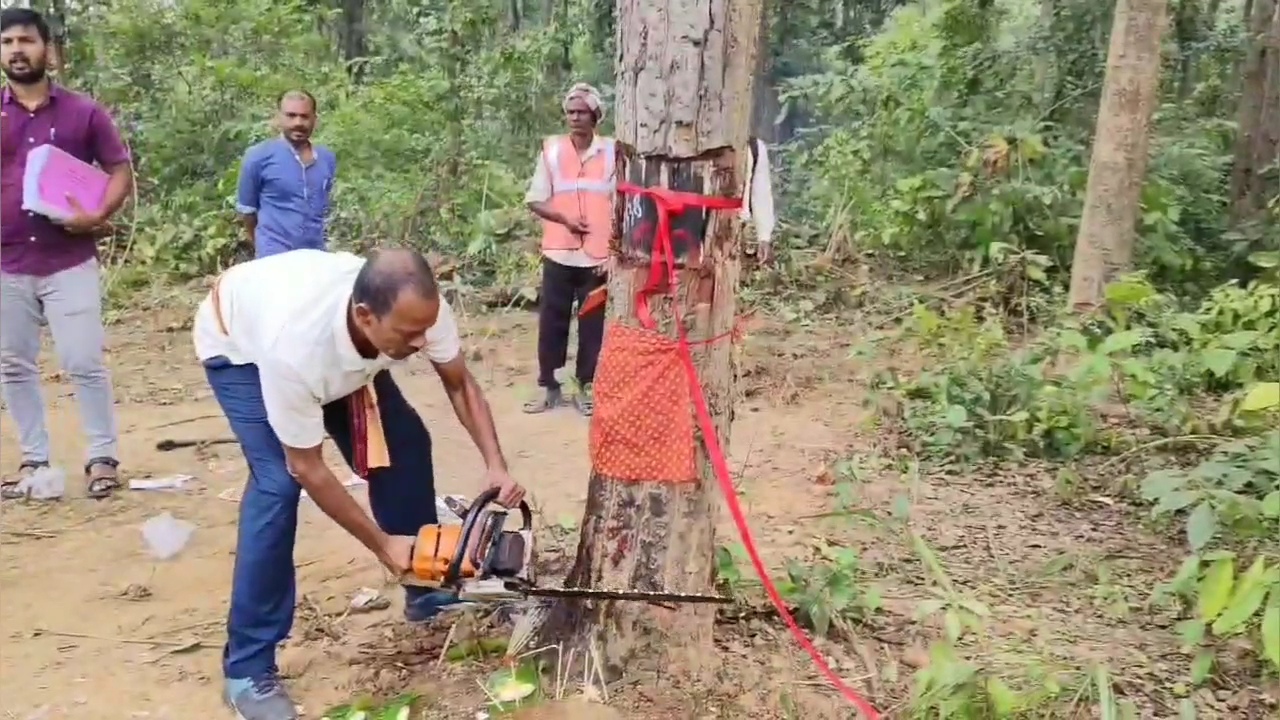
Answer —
263 584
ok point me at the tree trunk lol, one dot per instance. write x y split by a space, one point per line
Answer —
765 106
1043 64
684 89
1104 245
354 37
59 61
1187 33
1258 117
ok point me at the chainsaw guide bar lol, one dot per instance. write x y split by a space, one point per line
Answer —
625 595
481 560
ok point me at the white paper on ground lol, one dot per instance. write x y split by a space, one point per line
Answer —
170 482
354 481
233 494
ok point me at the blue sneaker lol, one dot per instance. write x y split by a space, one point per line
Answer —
260 698
425 604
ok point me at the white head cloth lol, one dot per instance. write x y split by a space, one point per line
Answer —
587 94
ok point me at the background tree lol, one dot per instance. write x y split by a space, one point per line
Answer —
1255 177
1104 246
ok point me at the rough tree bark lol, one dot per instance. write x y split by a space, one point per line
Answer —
684 89
1258 117
1104 245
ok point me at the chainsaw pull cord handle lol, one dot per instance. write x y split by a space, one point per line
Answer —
454 573
482 501
492 523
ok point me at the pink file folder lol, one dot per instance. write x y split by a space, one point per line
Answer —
52 174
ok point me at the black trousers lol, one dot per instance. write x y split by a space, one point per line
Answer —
564 288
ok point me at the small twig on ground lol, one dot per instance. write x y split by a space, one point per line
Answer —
195 644
448 640
1126 456
106 638
183 421
949 295
188 627
41 534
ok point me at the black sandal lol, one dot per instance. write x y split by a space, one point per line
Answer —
12 489
102 485
551 399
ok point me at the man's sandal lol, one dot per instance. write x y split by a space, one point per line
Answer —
551 399
102 477
11 488
585 401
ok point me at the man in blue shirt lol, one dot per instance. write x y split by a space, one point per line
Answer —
283 194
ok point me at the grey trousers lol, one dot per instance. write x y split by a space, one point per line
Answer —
70 302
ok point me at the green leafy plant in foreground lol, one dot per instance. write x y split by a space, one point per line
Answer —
401 708
1228 603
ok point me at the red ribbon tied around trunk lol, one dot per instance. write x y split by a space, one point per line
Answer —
662 267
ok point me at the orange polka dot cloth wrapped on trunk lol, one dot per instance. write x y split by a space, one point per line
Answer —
642 428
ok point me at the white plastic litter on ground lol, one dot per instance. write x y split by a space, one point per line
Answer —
166 536
46 483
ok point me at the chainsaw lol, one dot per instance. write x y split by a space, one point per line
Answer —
482 560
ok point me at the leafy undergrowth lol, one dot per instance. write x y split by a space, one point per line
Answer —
1157 423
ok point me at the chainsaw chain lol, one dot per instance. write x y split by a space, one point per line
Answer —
650 596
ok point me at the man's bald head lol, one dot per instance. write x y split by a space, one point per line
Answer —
289 96
387 274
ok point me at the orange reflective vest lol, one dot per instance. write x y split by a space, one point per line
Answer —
580 190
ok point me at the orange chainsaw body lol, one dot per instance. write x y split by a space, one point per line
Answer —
448 556
435 549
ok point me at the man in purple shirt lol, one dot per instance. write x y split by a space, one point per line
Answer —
49 270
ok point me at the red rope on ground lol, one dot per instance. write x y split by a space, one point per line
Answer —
673 202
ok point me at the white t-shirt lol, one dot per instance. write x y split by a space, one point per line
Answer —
287 314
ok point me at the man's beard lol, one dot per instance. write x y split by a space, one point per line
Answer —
32 75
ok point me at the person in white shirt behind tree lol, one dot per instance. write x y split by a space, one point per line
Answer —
299 344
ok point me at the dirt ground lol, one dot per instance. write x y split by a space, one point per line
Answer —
95 629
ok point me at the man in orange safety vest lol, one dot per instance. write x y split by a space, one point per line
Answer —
572 192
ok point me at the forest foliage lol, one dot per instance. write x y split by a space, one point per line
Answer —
942 144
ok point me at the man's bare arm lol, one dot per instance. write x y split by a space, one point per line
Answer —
119 187
472 410
308 466
544 211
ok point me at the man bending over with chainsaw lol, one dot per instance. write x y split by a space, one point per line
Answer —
298 344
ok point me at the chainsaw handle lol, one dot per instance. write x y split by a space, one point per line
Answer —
482 501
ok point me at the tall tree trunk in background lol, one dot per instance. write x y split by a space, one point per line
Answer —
354 37
684 88
764 97
515 15
566 43
1186 31
1258 117
1104 245
1043 67
60 60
